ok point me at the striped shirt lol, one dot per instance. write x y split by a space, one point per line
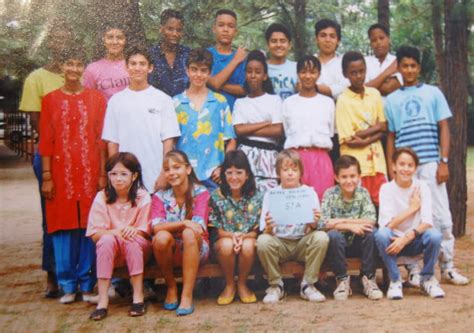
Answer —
413 114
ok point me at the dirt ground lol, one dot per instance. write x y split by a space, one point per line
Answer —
23 308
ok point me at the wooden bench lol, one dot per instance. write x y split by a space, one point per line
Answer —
290 269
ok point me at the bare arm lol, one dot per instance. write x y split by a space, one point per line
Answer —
399 243
272 131
34 121
217 81
112 148
415 204
324 89
390 149
234 89
379 127
357 142
172 227
250 129
160 182
47 188
442 174
231 145
380 79
390 85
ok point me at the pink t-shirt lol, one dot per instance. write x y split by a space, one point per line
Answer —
103 216
107 76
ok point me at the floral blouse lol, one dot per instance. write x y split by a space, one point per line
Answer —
235 216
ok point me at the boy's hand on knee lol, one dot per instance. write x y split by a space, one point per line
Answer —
397 245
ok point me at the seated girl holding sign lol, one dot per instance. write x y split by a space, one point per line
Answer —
235 210
282 241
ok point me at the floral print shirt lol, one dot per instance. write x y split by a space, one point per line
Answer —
204 132
235 216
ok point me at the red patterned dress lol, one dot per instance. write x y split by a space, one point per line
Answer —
71 128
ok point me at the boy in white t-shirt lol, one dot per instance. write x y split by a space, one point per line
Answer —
282 72
141 120
406 225
331 82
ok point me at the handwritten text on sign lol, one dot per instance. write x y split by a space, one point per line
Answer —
292 206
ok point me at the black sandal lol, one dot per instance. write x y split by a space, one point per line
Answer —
98 314
137 310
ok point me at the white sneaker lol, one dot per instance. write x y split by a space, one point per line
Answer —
93 299
273 294
371 289
454 277
310 293
67 298
395 290
414 277
431 288
343 289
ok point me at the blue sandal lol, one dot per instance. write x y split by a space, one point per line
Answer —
185 312
170 306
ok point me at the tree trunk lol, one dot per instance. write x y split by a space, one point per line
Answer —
301 42
383 10
436 16
456 91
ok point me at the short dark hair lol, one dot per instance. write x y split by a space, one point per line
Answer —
378 26
226 12
138 49
277 27
308 60
405 150
345 162
129 161
169 14
327 23
73 52
257 55
405 51
114 25
238 160
200 56
349 57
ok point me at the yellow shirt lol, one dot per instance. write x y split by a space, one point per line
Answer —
39 83
354 114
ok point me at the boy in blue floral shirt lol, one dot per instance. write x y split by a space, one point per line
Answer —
349 216
205 121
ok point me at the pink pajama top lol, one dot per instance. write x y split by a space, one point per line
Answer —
105 216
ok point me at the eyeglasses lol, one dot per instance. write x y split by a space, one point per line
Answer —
122 175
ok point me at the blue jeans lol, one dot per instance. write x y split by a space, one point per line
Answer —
48 251
75 260
429 243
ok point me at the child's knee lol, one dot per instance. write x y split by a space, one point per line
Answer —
106 241
336 237
383 236
162 240
264 242
225 247
248 246
189 237
319 238
433 236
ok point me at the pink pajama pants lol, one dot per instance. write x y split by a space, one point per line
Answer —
113 251
318 170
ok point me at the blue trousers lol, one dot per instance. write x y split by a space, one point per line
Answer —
75 260
48 251
429 244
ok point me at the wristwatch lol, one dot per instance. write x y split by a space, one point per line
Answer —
445 160
417 233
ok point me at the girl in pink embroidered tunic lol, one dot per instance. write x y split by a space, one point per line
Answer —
179 220
119 225
73 156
